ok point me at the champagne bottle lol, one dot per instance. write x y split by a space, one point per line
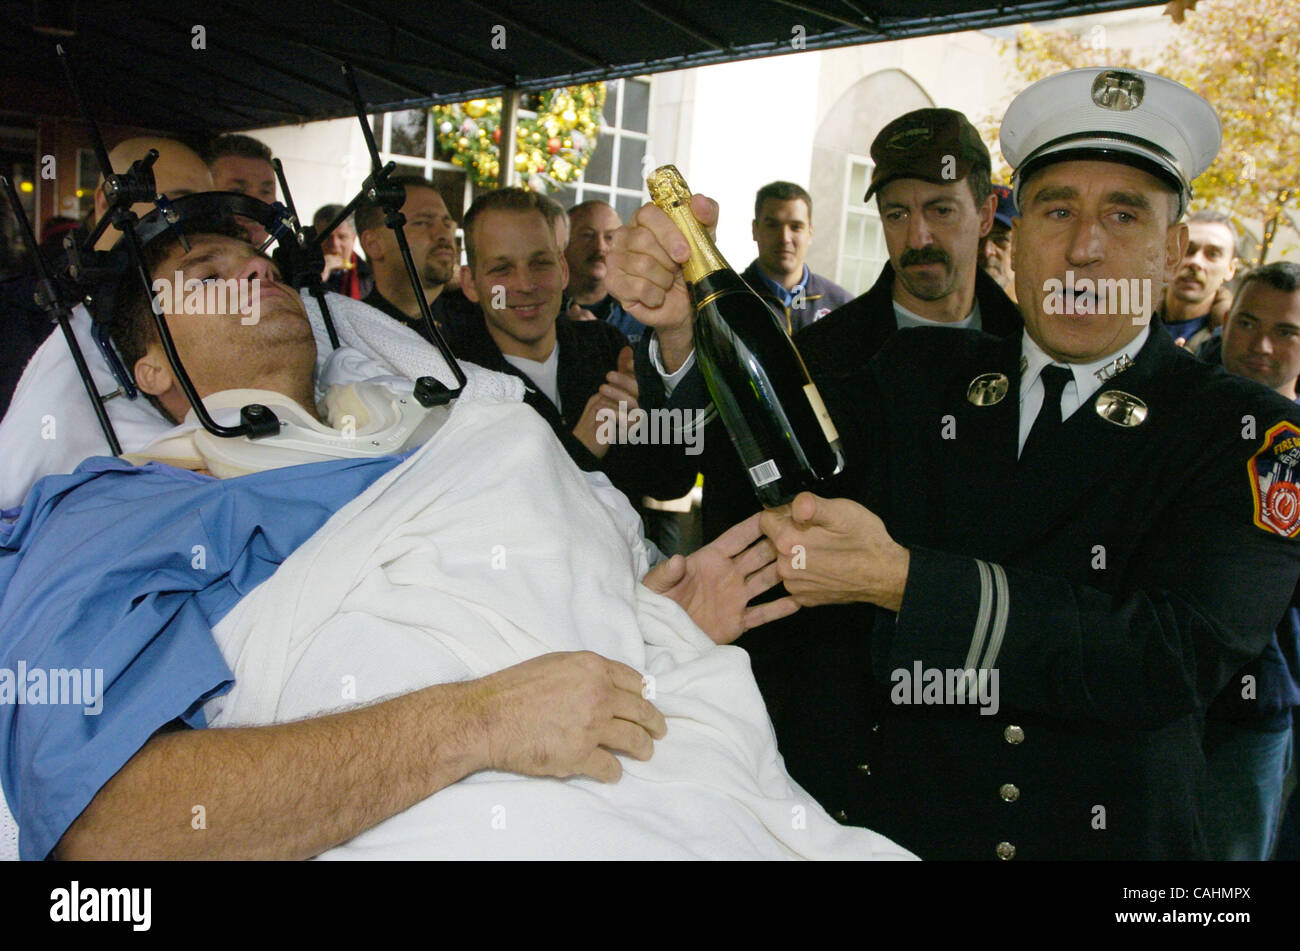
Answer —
759 384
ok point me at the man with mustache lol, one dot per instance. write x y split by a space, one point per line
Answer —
1191 297
1017 618
431 233
931 183
591 228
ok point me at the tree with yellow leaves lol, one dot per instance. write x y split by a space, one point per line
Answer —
1243 56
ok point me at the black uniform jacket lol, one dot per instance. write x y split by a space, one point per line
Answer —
1114 581
588 350
843 341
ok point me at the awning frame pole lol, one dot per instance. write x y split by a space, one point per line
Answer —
506 147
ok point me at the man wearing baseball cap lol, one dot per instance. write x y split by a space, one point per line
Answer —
936 201
995 248
931 183
1058 546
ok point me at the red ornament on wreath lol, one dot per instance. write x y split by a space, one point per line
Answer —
496 135
553 145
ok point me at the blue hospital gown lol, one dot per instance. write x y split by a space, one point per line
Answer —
127 569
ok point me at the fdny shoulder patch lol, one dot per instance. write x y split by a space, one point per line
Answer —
1273 481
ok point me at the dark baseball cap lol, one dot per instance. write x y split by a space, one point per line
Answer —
1006 210
934 145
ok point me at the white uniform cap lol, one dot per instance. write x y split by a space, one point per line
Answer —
1122 115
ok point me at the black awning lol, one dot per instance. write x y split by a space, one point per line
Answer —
220 65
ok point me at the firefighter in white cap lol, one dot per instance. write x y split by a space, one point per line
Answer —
1057 547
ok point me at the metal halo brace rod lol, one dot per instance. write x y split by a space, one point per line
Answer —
55 301
307 262
121 192
377 189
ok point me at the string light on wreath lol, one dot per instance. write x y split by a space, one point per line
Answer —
551 149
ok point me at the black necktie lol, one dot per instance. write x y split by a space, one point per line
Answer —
1049 417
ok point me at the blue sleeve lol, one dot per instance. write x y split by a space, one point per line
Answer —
111 580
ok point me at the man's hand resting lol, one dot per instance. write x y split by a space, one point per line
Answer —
715 584
834 551
565 715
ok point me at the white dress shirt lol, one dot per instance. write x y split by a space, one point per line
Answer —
1077 392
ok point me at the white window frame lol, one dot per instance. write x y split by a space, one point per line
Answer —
424 166
855 204
583 190
586 191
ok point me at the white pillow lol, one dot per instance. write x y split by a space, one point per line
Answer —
51 427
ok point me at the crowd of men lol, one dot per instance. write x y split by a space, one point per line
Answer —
1055 500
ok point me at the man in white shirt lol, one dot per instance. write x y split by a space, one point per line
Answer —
580 374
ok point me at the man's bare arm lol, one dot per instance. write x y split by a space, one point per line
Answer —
293 790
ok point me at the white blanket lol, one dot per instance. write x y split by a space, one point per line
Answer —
485 549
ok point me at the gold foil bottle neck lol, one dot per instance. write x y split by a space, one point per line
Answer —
667 187
668 190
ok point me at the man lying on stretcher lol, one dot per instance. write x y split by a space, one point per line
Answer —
413 637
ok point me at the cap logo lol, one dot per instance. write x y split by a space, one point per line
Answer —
1118 90
902 141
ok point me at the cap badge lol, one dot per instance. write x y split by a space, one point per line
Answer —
908 138
1118 90
1120 408
987 389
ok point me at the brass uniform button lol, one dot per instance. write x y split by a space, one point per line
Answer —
1005 851
1013 735
1009 792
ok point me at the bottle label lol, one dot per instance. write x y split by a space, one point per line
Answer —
819 408
763 473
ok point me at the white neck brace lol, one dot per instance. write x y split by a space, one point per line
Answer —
367 420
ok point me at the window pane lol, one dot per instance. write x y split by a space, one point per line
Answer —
409 132
626 206
599 168
853 235
858 183
567 196
636 106
853 278
611 102
630 155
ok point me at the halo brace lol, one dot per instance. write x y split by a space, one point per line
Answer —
298 255
121 192
390 196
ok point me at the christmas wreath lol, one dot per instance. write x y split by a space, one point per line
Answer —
551 149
